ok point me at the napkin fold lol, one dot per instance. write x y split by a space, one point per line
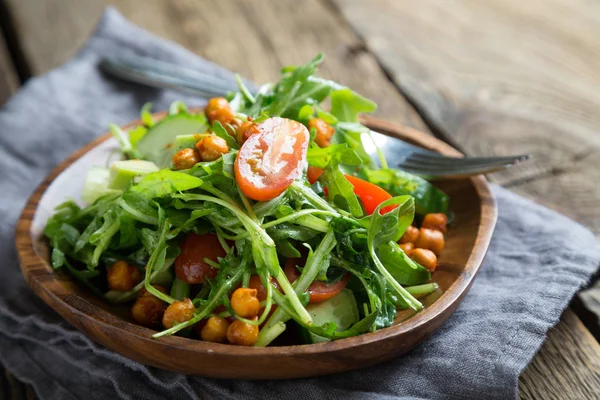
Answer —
536 262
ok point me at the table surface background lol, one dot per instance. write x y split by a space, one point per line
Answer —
491 78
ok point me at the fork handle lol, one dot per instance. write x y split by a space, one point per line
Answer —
160 74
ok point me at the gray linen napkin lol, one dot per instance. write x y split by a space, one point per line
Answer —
537 261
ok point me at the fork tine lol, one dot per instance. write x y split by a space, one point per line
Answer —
459 163
456 172
437 156
445 170
427 161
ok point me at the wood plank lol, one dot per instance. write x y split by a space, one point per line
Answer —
52 30
572 191
8 76
567 366
500 77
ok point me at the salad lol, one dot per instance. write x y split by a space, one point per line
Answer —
259 215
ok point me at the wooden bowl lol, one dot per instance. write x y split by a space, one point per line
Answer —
466 243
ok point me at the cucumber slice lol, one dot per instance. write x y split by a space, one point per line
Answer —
156 144
341 309
122 172
96 184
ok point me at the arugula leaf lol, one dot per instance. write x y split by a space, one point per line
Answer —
428 198
139 207
340 191
165 182
334 154
387 228
221 132
353 139
146 115
178 107
404 270
136 134
293 90
347 104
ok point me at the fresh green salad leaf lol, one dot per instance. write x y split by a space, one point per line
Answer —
428 198
346 105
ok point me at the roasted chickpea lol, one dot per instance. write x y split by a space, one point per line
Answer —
143 292
324 131
185 159
218 109
122 276
244 302
407 247
179 311
431 240
148 310
211 148
410 236
215 330
242 334
245 130
424 257
436 222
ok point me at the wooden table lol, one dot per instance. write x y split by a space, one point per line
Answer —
489 77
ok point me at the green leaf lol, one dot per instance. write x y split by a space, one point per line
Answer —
294 90
221 132
165 182
404 270
137 205
428 198
146 115
389 227
136 134
178 107
180 290
306 112
346 105
335 154
353 139
244 89
287 249
340 191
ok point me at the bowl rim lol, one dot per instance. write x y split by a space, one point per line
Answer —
28 256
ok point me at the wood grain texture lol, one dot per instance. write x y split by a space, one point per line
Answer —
569 362
467 242
501 77
237 34
8 77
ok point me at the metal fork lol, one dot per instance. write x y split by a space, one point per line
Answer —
413 159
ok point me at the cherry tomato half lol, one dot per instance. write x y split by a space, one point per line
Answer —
319 291
270 160
190 266
370 194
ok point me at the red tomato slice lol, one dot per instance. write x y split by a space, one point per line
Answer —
190 266
313 174
370 194
270 160
319 291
